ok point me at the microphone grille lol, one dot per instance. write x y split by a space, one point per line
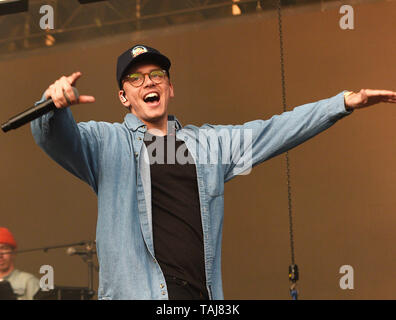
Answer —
76 94
70 251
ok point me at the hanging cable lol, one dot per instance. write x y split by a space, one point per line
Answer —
293 268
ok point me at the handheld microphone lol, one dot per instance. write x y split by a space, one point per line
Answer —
32 114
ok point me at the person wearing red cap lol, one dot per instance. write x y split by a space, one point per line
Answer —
24 284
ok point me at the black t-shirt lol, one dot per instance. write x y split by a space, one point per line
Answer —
177 226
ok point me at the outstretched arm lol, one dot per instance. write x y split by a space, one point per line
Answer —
74 146
284 132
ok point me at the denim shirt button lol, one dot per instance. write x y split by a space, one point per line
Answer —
136 154
162 285
163 293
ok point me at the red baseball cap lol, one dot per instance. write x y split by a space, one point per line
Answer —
7 237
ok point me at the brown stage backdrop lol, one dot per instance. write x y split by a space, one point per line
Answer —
228 72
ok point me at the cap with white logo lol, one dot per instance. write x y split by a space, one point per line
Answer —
137 54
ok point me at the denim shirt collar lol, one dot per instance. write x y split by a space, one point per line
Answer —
133 123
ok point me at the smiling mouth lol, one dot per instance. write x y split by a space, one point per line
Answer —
151 97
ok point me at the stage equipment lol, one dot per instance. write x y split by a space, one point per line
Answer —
6 292
293 268
71 293
89 1
13 6
87 255
236 11
64 293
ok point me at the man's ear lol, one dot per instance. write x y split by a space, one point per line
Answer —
123 98
172 93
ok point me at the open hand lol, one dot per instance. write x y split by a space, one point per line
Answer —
367 97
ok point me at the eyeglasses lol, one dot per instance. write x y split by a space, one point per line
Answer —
137 79
5 250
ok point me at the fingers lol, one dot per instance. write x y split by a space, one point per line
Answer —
389 96
59 99
47 93
72 79
67 91
390 100
62 94
381 93
86 99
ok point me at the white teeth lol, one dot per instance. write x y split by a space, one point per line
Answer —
151 95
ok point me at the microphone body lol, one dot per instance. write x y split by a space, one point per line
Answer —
31 114
71 251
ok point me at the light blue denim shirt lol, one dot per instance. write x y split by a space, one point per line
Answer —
112 159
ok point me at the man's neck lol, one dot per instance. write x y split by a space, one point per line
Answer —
159 128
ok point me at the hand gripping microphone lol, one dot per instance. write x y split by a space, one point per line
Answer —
31 114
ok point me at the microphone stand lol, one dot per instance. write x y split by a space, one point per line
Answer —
87 257
45 249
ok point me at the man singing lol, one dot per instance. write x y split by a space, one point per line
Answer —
160 185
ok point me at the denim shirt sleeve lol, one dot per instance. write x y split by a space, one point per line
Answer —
260 140
74 146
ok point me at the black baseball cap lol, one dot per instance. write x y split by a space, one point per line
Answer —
137 54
